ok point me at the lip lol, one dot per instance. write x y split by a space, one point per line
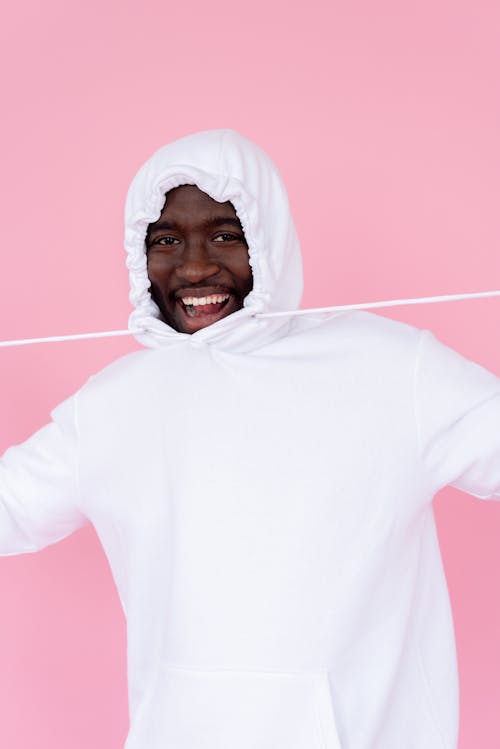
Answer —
205 291
202 319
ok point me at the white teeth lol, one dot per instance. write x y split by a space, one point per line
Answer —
213 299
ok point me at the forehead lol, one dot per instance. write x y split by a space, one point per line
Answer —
189 200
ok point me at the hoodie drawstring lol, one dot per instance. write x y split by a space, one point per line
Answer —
310 310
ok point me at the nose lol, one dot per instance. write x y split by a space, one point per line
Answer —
196 263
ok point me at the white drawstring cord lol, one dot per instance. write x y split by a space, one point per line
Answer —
391 303
337 308
74 337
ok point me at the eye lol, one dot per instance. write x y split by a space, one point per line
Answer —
164 241
227 237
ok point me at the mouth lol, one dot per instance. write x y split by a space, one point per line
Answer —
198 312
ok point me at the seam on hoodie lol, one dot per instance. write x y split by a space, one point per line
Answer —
242 669
428 698
416 368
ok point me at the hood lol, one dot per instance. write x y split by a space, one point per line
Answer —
226 166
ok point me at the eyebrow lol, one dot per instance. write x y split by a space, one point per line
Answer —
216 221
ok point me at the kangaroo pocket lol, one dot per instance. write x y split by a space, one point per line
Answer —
240 709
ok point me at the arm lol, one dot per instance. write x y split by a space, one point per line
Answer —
39 486
457 405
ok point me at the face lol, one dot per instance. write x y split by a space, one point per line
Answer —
197 260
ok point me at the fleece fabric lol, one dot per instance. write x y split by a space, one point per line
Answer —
263 489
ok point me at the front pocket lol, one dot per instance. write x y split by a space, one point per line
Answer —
242 709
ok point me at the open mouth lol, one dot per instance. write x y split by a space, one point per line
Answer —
205 310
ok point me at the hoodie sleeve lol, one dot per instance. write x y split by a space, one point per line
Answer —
39 486
457 406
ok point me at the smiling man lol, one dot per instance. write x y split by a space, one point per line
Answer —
197 260
262 484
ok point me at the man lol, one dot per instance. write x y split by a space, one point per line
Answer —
262 486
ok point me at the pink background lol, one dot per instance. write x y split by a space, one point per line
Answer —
383 118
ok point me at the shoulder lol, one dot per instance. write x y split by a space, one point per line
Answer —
380 328
120 374
361 330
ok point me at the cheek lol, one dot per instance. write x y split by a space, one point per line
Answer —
158 269
241 267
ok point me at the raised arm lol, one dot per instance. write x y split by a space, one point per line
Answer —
39 486
458 414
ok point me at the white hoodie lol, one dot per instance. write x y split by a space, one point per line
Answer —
262 489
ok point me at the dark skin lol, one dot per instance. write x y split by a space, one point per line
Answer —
197 251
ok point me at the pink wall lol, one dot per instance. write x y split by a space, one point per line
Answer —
383 118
